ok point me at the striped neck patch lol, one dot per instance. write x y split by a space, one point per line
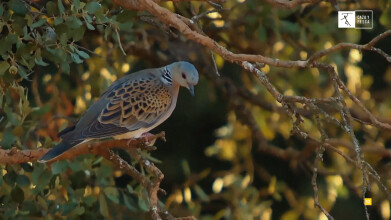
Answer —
167 77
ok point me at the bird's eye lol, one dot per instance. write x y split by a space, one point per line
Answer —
184 75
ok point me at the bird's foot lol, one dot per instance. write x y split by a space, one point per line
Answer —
148 138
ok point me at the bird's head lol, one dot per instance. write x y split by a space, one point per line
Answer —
184 74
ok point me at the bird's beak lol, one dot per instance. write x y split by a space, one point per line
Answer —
191 89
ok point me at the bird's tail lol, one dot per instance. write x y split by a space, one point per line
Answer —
55 152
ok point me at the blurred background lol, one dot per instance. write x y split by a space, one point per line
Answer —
57 57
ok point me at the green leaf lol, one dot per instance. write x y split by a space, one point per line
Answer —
51 7
23 72
88 18
303 36
75 166
112 194
38 23
125 25
58 20
130 188
38 60
130 204
6 44
64 39
27 167
143 203
200 193
76 58
74 22
65 67
79 210
82 54
69 207
8 137
107 32
40 177
78 34
4 66
19 7
262 36
43 180
290 27
89 200
17 194
22 180
60 6
10 178
1 11
59 167
317 28
103 208
76 5
42 203
126 16
39 111
36 173
90 27
92 7
22 212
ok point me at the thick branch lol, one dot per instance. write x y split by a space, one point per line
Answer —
15 156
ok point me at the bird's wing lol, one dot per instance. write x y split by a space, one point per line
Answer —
138 102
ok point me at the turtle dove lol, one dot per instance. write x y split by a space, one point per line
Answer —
131 106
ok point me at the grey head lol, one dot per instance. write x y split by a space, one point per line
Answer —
183 74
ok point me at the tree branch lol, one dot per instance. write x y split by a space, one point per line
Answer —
15 156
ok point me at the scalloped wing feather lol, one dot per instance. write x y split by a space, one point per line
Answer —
137 103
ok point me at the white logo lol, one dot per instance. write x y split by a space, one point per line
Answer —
359 19
346 19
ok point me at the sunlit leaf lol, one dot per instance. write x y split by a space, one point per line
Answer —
4 65
103 208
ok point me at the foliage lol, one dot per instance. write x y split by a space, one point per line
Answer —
57 57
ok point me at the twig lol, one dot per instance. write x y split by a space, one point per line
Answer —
318 159
214 63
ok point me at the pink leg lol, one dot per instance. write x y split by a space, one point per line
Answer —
147 136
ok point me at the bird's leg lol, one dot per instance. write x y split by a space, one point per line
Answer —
149 138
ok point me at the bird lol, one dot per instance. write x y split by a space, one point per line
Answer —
130 107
